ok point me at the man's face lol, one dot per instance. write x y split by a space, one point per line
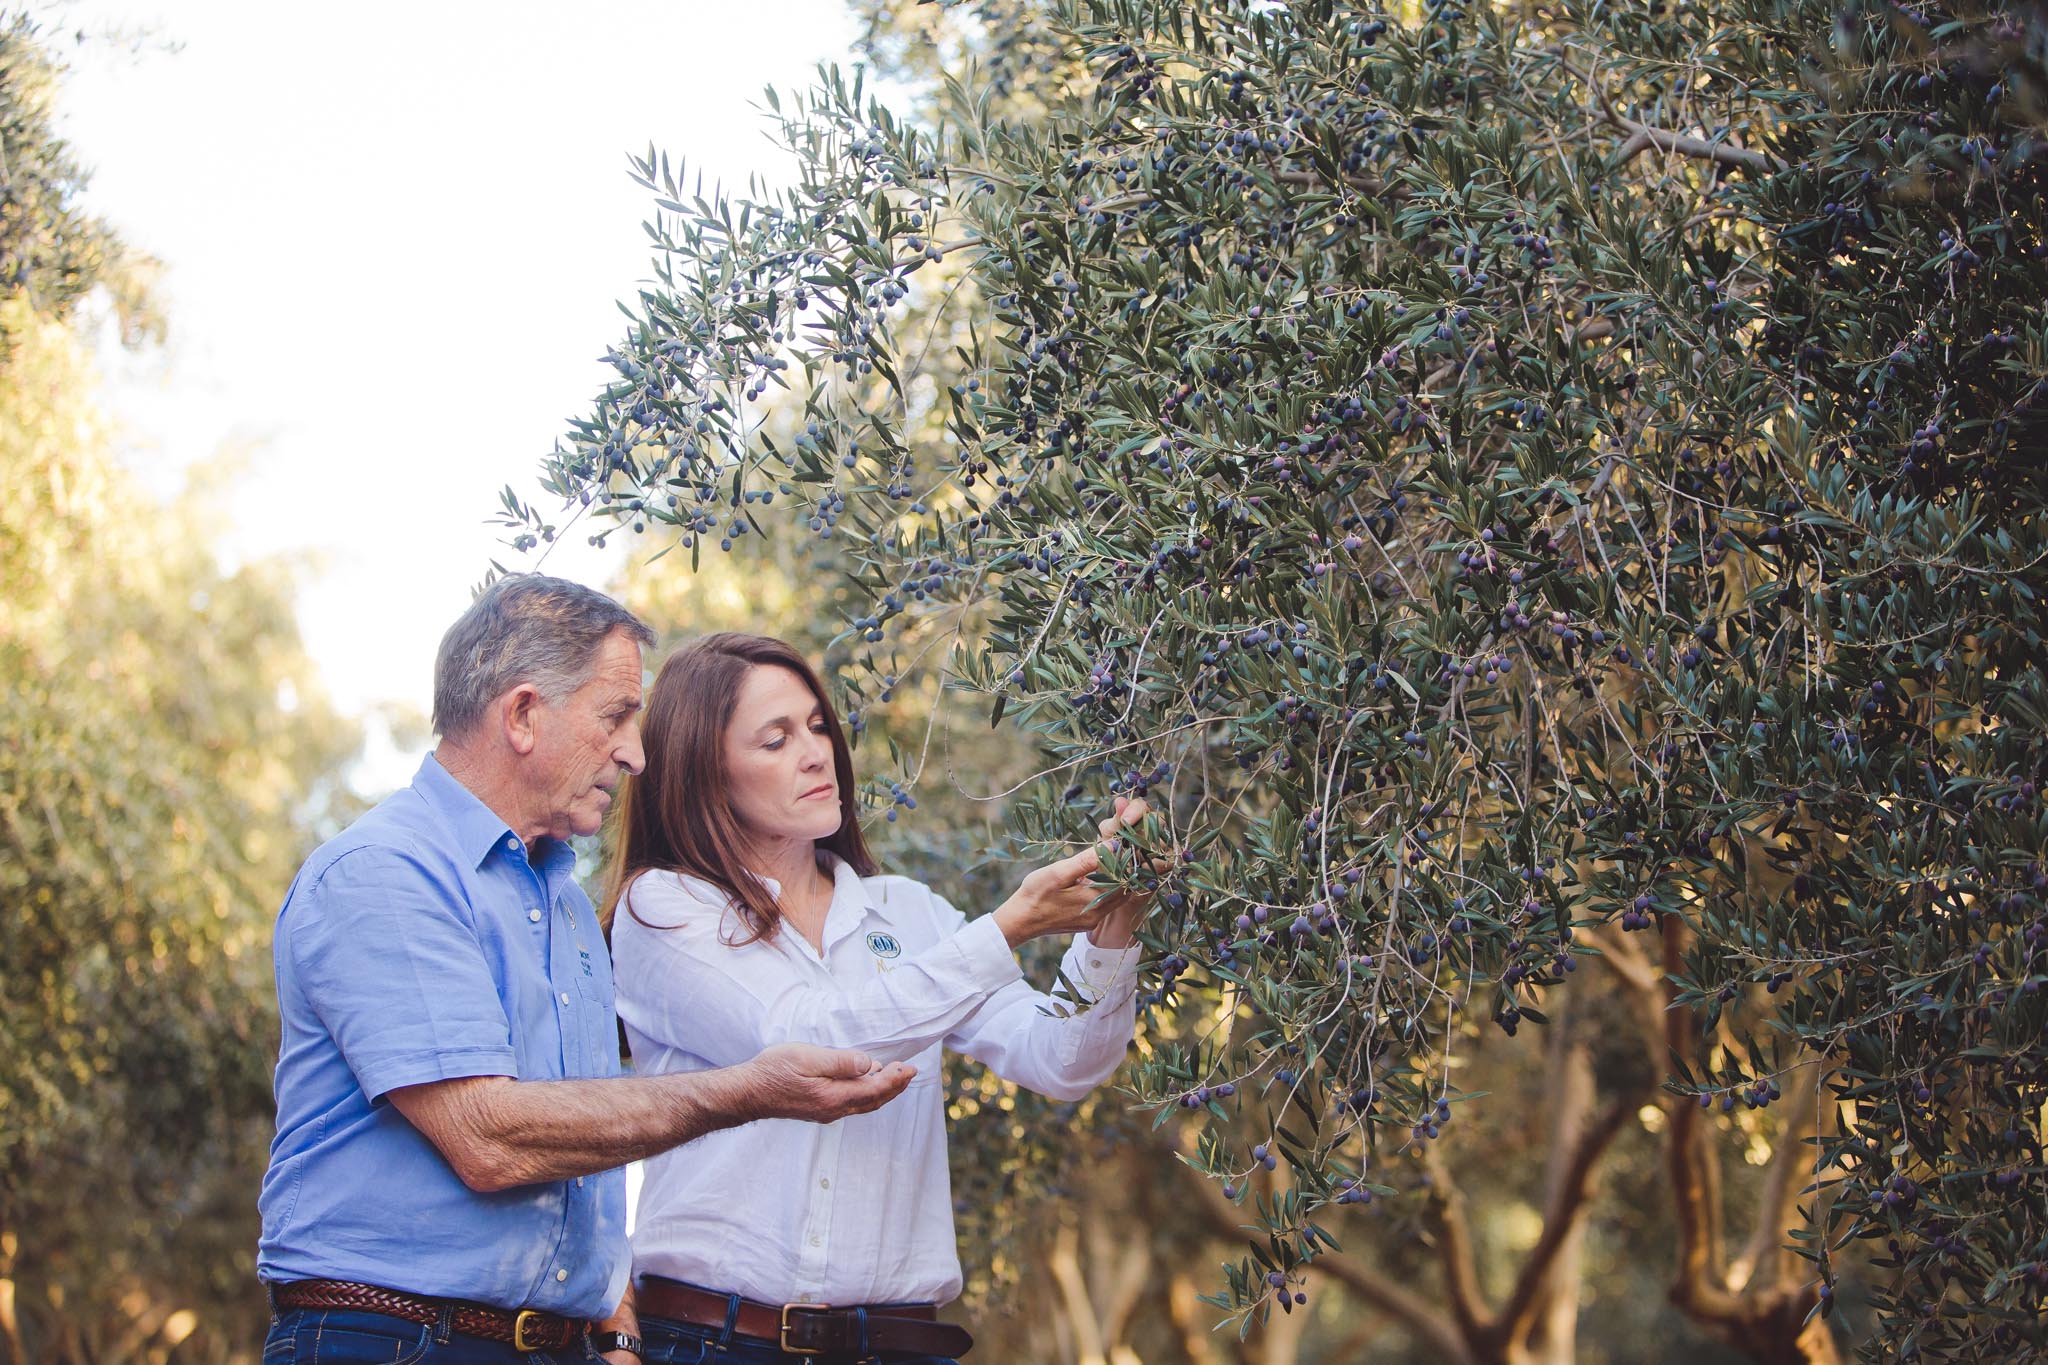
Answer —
587 741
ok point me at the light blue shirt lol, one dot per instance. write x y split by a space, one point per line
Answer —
422 944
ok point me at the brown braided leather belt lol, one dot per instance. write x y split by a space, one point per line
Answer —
808 1329
524 1329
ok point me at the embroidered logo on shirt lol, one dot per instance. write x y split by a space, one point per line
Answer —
884 945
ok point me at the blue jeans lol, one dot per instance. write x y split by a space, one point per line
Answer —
348 1336
680 1343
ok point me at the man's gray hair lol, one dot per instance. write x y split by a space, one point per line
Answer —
524 628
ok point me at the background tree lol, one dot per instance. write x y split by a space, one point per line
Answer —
164 753
1540 492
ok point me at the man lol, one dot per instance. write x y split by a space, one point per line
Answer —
444 1184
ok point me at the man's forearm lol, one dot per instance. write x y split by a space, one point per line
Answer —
498 1132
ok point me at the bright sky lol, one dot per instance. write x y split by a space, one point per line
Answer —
393 236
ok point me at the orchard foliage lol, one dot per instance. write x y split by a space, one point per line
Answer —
50 248
161 741
1504 479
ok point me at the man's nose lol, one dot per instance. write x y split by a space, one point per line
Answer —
629 754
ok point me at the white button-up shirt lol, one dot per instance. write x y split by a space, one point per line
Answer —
859 1211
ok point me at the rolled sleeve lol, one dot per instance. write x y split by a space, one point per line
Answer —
387 957
984 955
1102 974
1051 1042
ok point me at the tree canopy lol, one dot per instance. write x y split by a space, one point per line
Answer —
163 751
1533 490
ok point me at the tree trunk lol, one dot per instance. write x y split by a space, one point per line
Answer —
1774 1328
1553 1340
1184 1304
1078 1310
1119 1269
1279 1340
1747 1305
10 1324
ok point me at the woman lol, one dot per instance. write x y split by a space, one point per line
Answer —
746 911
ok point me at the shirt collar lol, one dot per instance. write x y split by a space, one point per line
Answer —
850 902
846 883
850 899
479 830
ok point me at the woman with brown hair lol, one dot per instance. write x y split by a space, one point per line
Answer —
746 910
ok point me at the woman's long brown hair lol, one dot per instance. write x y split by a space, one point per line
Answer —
677 815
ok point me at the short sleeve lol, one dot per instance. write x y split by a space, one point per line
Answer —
383 952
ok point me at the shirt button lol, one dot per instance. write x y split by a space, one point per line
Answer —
512 842
579 1182
1095 962
533 915
565 997
561 1275
824 1184
814 1241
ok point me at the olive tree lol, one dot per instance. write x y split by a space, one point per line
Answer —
1532 491
162 740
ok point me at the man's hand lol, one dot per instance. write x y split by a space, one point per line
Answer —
820 1084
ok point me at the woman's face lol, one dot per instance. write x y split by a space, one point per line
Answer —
778 760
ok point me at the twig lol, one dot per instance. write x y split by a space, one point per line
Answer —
1642 137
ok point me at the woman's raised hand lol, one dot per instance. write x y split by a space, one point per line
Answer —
1059 898
1121 912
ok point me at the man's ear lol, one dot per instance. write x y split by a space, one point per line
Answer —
520 708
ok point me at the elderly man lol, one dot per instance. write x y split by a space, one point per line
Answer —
444 1184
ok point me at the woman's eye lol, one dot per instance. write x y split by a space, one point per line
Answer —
773 744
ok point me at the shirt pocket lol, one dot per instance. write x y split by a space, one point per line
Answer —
593 970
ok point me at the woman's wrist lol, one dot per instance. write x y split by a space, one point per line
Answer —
1112 936
1118 928
1015 922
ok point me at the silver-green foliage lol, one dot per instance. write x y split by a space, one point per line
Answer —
163 753
1501 477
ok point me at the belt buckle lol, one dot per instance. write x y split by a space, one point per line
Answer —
519 1341
783 1336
